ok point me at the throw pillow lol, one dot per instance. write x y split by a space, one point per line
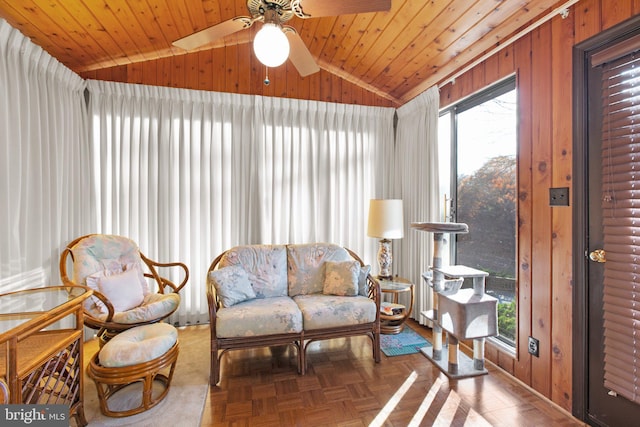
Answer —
362 280
341 278
93 282
143 281
123 290
232 285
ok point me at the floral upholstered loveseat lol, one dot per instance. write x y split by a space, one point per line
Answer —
268 295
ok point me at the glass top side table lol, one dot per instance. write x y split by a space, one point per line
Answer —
394 323
41 337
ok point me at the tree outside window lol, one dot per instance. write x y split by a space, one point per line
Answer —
483 141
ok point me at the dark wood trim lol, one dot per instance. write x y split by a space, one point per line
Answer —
619 50
582 53
580 224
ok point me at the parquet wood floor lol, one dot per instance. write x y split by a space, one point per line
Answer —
345 387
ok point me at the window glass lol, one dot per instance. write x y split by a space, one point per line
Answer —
484 145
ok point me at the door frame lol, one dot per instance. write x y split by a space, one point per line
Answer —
581 63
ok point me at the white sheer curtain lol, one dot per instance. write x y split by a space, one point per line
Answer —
320 163
44 158
416 182
188 174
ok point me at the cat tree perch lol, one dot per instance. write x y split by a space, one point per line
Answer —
462 313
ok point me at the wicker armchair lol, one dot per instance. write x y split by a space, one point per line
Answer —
118 273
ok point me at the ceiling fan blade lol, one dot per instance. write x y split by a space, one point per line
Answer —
213 33
242 37
299 55
317 8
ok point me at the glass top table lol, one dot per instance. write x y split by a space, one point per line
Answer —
42 328
28 308
394 323
397 285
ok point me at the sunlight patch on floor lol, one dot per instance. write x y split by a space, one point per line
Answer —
393 402
448 410
426 403
474 419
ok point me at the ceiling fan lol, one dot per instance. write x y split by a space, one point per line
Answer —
274 42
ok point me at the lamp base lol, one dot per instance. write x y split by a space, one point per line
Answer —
385 259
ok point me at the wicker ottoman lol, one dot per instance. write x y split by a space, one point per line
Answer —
143 354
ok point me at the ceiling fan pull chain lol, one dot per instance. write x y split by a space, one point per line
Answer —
266 79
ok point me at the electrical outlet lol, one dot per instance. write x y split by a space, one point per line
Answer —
534 347
559 196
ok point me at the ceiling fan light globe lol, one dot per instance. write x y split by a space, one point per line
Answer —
271 45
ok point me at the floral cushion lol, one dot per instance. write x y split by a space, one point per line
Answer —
138 345
326 311
154 307
102 252
305 264
232 285
266 266
341 278
260 316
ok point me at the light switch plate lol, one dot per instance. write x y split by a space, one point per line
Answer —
534 347
559 196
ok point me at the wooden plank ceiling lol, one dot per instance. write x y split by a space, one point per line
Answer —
396 54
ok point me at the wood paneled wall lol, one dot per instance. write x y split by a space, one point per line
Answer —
218 70
542 61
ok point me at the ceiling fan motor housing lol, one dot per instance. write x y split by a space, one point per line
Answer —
280 9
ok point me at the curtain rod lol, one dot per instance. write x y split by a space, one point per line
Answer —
561 10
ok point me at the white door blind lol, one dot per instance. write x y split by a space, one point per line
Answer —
621 222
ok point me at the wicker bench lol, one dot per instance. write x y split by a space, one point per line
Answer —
273 295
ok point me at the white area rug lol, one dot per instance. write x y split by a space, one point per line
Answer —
183 405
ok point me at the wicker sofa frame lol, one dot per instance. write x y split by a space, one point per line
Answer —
301 341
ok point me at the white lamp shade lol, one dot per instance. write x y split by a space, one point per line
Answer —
271 45
386 219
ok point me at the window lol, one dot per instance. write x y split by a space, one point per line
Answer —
478 140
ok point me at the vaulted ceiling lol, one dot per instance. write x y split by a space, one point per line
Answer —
396 54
